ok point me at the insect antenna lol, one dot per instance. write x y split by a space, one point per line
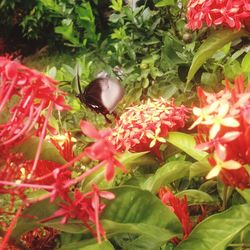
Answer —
80 95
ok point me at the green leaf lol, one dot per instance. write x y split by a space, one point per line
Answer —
88 245
140 212
199 168
52 5
217 231
209 186
245 194
186 143
237 54
156 233
68 32
209 79
31 215
214 42
162 89
232 70
220 54
164 3
245 64
116 5
48 152
168 173
195 197
133 95
135 160
142 243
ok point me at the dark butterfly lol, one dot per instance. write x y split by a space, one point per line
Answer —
101 95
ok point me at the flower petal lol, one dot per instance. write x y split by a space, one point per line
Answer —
89 130
231 165
230 136
214 131
214 172
230 122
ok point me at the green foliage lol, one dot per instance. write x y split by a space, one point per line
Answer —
195 197
215 42
48 151
218 230
168 173
88 245
186 143
77 22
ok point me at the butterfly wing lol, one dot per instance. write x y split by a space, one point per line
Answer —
112 92
92 95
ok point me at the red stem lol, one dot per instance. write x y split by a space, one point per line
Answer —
39 147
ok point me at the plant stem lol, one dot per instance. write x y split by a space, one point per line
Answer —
242 245
224 202
41 138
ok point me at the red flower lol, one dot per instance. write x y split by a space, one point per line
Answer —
101 150
223 118
86 208
229 13
179 207
145 127
31 92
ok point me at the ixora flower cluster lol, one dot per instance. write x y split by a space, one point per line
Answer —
229 13
30 93
224 130
144 127
27 99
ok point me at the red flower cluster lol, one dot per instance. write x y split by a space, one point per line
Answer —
229 13
224 124
145 127
86 208
180 208
24 94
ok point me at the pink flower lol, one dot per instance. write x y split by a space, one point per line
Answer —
225 131
145 127
101 150
229 13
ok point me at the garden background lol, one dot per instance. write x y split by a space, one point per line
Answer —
125 124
